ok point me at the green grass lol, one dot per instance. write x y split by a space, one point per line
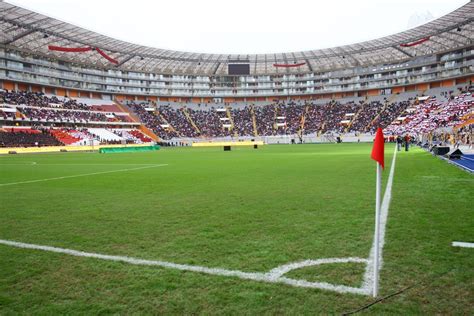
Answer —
250 210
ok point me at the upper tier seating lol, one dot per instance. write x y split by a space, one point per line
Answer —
39 99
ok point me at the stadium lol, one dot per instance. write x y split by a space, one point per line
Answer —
140 180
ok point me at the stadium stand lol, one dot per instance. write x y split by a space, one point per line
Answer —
27 138
380 84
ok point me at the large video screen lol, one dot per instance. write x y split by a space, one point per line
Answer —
239 69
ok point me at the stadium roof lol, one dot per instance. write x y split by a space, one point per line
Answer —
32 33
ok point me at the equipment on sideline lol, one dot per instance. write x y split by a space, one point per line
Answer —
440 150
454 154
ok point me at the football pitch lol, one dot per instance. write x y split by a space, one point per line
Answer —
198 231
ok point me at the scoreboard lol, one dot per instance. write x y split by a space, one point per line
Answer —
239 69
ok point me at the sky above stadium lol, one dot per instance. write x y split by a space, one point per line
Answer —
244 26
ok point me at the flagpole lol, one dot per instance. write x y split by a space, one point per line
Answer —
378 189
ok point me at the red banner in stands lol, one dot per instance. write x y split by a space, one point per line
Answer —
69 49
114 61
418 42
82 50
289 65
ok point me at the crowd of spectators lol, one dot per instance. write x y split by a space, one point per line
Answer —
177 118
265 118
152 120
27 138
293 116
389 114
243 121
208 123
39 99
276 118
6 115
335 112
38 106
62 115
364 117
314 118
465 135
432 115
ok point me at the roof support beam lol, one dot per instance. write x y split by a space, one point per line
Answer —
402 51
444 36
17 37
216 68
309 65
462 35
123 61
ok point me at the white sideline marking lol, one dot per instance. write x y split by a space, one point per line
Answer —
273 276
79 175
369 271
97 164
463 244
19 164
77 164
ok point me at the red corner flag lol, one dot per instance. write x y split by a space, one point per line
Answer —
378 149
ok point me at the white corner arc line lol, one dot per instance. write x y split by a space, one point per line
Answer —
463 244
269 277
369 271
80 175
283 269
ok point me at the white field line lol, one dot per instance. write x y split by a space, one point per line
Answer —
80 175
273 276
77 164
369 271
463 244
18 164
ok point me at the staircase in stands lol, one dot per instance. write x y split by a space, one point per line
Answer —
254 121
385 106
190 120
145 130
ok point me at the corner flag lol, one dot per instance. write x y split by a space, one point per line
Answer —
378 156
378 149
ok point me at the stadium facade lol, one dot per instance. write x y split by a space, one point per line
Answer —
43 54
